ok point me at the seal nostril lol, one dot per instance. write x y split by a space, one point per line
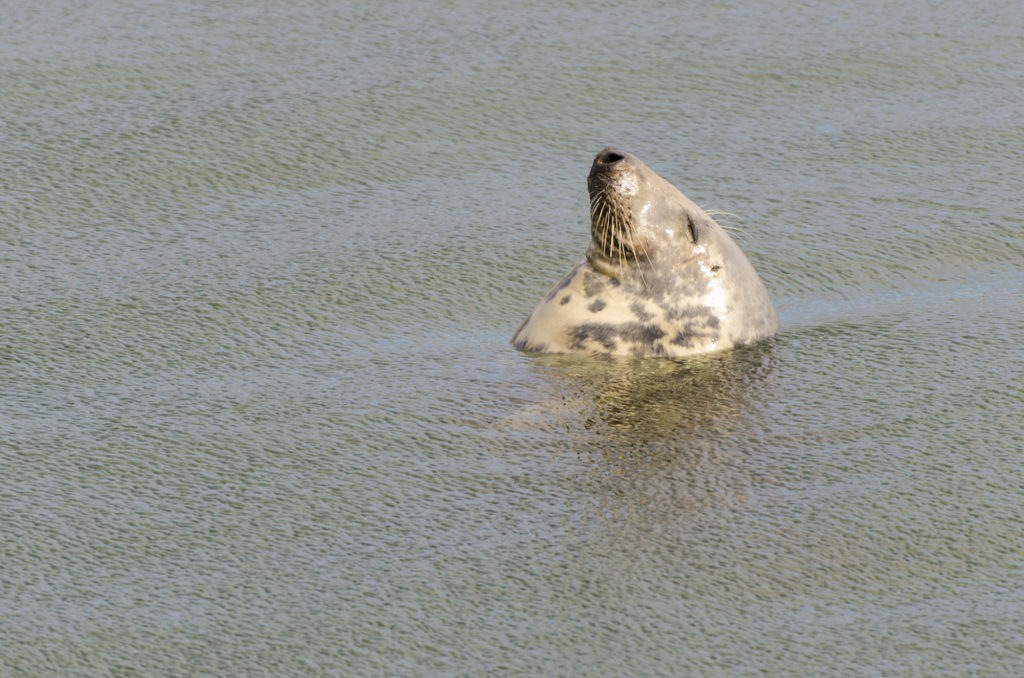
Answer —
611 156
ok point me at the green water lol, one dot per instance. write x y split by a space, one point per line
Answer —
259 266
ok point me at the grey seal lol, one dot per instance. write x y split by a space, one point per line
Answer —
660 277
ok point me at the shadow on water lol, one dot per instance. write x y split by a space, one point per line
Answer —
661 434
654 400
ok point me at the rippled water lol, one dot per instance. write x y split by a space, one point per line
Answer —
261 263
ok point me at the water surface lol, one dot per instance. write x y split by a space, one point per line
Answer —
259 414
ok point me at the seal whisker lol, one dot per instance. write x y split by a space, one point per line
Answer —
595 217
607 233
618 235
612 229
724 226
719 213
615 240
641 248
606 228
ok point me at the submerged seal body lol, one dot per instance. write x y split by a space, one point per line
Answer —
660 277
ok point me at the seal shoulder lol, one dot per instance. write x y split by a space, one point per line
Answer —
540 330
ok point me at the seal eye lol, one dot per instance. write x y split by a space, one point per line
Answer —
693 229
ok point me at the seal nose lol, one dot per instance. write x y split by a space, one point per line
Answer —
608 157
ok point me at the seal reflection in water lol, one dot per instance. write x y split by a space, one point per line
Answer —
660 278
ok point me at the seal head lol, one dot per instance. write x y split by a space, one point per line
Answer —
660 277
